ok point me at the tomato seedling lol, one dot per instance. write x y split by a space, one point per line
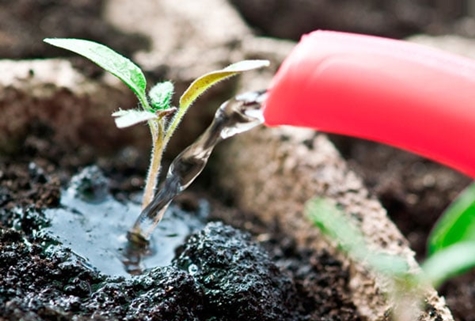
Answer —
156 109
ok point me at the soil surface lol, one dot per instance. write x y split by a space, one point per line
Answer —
220 273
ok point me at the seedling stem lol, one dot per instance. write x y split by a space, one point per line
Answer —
156 106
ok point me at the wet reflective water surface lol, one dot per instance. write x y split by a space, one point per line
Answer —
93 225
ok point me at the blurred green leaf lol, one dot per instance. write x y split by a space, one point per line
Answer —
457 223
116 64
449 261
333 223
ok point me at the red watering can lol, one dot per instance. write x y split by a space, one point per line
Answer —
390 91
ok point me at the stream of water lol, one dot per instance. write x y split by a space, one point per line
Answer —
234 116
91 223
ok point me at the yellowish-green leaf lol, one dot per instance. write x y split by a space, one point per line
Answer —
204 82
201 84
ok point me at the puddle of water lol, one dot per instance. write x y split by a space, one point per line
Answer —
94 226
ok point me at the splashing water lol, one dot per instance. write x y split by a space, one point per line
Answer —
234 116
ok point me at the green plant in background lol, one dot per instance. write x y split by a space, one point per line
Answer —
156 109
333 223
337 227
451 245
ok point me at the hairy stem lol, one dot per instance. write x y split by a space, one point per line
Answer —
157 132
174 124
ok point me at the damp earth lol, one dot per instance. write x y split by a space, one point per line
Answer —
218 272
94 226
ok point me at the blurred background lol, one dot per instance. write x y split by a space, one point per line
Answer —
391 18
23 23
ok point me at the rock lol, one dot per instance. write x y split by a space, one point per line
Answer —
452 43
51 96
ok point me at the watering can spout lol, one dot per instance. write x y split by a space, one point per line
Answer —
390 91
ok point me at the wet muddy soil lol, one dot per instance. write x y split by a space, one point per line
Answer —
220 273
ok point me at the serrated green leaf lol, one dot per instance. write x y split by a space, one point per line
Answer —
449 262
457 223
130 117
161 95
203 83
113 62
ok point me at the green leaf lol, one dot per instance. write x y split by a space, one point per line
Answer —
449 261
130 117
161 95
116 64
333 223
203 83
457 224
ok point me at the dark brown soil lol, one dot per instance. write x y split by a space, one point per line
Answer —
295 283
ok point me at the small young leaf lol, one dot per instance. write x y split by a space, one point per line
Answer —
201 84
457 223
161 95
116 64
449 261
130 117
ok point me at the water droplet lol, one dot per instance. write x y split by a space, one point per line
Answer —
193 269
